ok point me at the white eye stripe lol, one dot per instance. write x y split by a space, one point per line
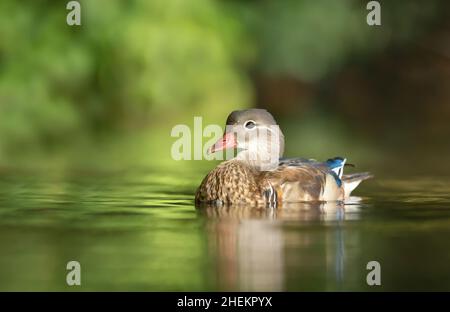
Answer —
250 124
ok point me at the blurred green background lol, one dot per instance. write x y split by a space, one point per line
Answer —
82 95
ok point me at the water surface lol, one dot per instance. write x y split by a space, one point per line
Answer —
139 230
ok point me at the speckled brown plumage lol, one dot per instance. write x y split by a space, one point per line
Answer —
231 182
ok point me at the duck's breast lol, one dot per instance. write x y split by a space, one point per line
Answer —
231 182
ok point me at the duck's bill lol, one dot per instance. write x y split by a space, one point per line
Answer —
227 141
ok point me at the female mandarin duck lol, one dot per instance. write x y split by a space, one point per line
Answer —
258 175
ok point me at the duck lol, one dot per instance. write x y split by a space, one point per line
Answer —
256 173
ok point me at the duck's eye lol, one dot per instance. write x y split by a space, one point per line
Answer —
249 124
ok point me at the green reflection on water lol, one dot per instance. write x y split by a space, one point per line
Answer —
139 230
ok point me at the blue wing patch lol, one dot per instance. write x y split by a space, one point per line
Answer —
337 164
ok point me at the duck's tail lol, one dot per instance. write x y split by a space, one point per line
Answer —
351 181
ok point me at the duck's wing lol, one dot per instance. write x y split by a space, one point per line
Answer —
298 180
303 179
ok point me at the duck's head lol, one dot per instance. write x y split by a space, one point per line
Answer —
256 136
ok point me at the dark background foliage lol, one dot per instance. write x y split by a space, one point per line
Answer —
134 69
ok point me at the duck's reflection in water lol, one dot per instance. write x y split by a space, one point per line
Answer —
249 244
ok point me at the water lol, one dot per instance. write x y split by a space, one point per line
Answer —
139 230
